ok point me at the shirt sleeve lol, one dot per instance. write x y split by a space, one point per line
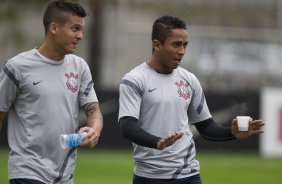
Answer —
198 109
130 95
9 86
87 93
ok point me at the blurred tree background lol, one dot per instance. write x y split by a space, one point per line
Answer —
227 38
234 49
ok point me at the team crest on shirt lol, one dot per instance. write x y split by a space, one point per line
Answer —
72 81
183 89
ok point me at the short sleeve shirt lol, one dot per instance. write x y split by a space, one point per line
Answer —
43 99
164 104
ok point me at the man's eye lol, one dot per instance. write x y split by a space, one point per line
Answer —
176 44
75 29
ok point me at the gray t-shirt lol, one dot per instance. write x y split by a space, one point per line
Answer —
164 104
43 98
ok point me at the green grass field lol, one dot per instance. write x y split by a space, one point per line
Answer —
115 167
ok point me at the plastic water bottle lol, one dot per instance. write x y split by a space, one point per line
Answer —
72 140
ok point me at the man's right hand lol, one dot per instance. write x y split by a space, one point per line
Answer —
169 140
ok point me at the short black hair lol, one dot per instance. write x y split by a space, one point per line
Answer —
57 9
162 27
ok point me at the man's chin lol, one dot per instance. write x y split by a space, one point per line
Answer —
70 51
175 66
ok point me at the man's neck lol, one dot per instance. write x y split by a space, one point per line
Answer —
156 65
50 52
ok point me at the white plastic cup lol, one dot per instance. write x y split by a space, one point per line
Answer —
243 123
72 140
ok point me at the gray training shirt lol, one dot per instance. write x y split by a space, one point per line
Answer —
42 98
164 104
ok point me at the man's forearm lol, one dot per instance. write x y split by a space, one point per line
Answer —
211 130
94 116
131 131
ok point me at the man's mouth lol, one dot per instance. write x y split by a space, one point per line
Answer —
75 44
178 60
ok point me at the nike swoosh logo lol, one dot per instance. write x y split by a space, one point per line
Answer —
35 83
150 90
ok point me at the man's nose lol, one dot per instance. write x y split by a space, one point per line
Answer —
80 35
182 50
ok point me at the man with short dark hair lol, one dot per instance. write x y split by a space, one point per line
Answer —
158 99
42 91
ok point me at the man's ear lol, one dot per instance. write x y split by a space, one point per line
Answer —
156 45
53 27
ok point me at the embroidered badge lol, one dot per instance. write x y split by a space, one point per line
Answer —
183 89
72 81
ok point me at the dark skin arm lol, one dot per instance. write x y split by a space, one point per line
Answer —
94 124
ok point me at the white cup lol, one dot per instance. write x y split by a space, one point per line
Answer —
243 123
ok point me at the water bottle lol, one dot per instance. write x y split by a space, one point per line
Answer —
72 140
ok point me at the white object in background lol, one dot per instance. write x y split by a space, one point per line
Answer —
271 114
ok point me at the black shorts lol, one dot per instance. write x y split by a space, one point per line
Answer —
196 179
25 181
